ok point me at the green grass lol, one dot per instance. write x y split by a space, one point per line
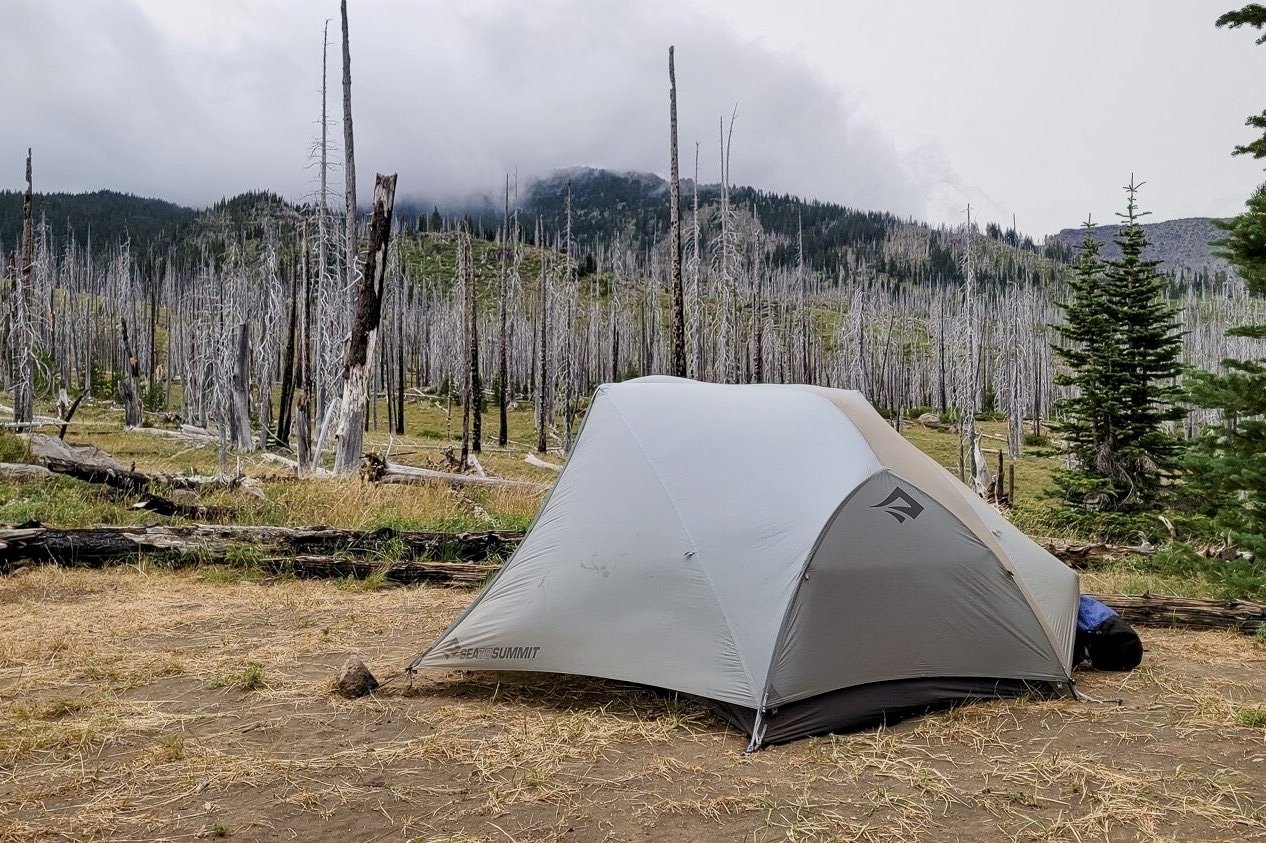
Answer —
351 504
249 678
1254 718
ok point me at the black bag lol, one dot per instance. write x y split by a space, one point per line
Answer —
1113 645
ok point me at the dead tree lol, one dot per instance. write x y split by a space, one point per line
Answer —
503 427
364 337
288 357
23 329
542 368
674 242
129 391
239 392
472 389
349 158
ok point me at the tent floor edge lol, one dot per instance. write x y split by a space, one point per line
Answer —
875 704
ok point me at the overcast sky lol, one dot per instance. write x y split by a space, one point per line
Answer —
1038 110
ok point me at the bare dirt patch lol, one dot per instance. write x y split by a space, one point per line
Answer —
156 706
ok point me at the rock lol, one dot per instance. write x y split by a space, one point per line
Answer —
354 679
929 419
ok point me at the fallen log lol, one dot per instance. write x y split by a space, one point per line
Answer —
533 459
1150 610
313 551
23 471
1082 555
375 469
405 572
124 480
208 543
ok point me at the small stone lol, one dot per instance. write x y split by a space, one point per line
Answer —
354 679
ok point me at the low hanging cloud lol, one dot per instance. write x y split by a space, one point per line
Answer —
193 101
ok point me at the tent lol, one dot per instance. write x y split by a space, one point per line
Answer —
779 550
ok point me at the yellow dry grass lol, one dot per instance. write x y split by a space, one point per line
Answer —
124 715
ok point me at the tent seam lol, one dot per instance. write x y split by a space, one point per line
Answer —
729 626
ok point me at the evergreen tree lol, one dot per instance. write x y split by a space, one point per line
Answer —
1122 347
1254 15
1084 352
1150 348
1226 465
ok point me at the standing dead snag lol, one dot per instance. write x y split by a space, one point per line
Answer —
503 428
674 242
129 392
239 392
23 329
349 158
364 337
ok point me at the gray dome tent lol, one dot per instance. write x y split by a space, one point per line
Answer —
779 550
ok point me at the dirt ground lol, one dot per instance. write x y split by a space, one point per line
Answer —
145 705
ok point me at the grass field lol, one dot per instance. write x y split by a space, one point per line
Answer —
431 429
149 705
138 703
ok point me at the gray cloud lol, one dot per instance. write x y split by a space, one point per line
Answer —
194 101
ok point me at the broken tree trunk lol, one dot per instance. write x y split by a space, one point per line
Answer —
377 470
239 395
129 391
357 369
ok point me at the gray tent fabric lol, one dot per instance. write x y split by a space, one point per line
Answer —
842 577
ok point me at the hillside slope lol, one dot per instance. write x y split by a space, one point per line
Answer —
1184 247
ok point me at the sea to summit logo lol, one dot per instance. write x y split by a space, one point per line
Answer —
519 653
900 505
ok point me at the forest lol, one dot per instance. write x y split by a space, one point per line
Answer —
242 441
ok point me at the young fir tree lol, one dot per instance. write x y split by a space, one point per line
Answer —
1121 347
1089 372
1226 465
1150 348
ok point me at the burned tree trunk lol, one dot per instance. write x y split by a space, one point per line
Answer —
364 337
22 327
303 432
288 359
503 389
674 241
349 156
239 396
129 391
542 368
475 387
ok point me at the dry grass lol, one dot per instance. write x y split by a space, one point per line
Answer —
125 714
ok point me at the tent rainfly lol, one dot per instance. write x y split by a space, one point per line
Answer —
778 550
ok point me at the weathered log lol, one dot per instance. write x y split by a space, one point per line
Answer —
23 471
183 503
124 480
1082 555
533 459
404 572
377 470
97 546
1150 610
